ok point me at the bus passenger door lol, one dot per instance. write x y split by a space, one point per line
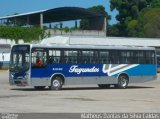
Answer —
39 72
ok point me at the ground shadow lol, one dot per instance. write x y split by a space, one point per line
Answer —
83 88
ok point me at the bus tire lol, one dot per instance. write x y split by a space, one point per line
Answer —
39 87
56 83
123 81
103 86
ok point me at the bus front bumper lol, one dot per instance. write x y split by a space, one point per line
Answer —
19 82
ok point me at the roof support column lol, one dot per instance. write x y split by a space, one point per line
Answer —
41 20
105 25
15 21
28 20
1 23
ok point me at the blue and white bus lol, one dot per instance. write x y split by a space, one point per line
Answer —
56 65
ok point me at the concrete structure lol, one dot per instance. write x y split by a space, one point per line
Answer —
92 33
9 42
97 20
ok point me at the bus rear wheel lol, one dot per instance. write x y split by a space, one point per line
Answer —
56 83
123 81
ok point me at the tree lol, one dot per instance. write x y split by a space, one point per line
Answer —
99 9
135 29
150 22
85 23
16 33
129 12
112 30
154 3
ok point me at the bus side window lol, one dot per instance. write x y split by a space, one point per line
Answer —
104 57
150 57
39 59
87 57
141 57
51 60
71 57
54 56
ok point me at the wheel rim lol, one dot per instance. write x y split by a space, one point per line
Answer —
123 82
56 83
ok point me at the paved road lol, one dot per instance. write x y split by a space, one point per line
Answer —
137 98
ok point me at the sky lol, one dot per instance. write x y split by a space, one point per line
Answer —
9 7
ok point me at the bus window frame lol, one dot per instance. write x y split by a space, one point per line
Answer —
37 49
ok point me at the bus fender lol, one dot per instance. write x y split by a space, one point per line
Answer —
122 73
58 75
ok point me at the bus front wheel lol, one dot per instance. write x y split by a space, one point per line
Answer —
123 81
56 83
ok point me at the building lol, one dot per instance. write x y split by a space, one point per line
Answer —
97 20
4 55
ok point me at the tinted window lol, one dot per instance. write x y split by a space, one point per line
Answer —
55 56
39 58
70 57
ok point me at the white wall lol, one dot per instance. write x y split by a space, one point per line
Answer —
8 41
6 57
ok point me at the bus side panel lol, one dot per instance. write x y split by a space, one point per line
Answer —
74 74
90 80
40 77
141 79
93 74
143 70
141 73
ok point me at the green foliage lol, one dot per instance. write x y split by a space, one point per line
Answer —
135 29
150 20
112 30
154 3
137 18
128 10
132 24
85 23
100 9
74 28
66 29
16 33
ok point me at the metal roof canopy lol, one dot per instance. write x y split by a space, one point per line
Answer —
54 15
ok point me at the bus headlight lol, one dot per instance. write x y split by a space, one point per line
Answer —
12 76
26 76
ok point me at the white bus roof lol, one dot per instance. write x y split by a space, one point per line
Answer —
66 46
110 41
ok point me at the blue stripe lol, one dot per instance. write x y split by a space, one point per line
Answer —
90 70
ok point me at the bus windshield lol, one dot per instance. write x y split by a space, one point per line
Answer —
19 61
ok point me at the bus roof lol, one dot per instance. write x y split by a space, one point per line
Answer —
66 46
90 40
